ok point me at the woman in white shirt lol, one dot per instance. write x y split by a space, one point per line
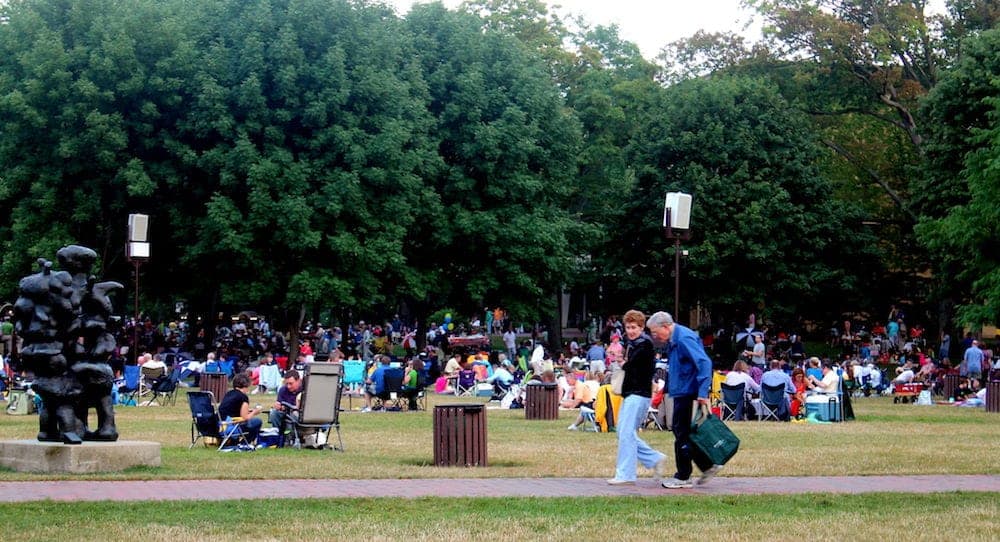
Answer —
739 375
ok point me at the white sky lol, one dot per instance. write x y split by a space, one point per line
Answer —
650 24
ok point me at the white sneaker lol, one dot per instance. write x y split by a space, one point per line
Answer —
674 483
709 474
617 482
573 428
366 409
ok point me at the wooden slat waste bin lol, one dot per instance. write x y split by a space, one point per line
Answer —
217 383
460 435
950 385
993 396
541 401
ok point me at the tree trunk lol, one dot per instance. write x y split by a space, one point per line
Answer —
555 327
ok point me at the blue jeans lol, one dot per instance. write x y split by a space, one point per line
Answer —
252 428
631 448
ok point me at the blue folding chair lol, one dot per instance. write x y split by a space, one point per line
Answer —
354 379
128 393
226 366
733 401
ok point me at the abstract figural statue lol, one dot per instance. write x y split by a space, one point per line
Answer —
62 317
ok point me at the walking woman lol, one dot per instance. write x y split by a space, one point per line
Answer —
639 365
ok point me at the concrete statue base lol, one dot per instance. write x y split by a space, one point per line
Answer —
55 457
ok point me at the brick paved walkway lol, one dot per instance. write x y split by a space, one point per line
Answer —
479 487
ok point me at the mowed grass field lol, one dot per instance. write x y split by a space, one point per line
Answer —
946 517
886 438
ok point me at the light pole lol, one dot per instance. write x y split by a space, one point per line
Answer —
676 227
137 250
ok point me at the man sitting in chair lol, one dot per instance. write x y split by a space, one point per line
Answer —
287 402
375 384
236 404
829 383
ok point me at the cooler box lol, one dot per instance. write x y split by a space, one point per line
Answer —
825 407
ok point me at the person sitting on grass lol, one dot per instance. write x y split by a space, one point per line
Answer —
236 404
582 397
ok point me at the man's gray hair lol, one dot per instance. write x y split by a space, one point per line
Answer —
659 319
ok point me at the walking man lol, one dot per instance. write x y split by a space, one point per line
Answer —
689 383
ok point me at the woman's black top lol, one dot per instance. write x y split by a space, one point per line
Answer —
639 367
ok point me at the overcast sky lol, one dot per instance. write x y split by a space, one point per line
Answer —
651 24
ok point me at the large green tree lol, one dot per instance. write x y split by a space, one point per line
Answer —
768 233
495 228
963 115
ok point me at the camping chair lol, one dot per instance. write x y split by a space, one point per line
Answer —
319 410
270 378
465 384
205 424
652 418
227 365
165 387
149 377
733 402
391 396
128 394
354 379
773 403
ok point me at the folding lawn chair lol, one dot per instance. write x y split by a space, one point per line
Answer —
354 379
465 384
270 378
206 425
392 393
128 393
733 402
319 411
165 387
773 403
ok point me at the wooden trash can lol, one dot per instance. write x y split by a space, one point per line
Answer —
217 383
950 385
460 435
541 401
993 396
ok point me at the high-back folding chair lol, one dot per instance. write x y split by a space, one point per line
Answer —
320 404
773 403
465 384
165 387
227 365
354 379
733 401
270 378
128 393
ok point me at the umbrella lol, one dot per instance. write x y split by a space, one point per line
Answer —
746 337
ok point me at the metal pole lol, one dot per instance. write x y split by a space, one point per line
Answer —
135 323
677 278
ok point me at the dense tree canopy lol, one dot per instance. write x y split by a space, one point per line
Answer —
768 232
308 155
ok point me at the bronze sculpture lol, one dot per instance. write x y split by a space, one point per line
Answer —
62 317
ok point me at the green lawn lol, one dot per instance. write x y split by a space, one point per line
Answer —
887 438
950 516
